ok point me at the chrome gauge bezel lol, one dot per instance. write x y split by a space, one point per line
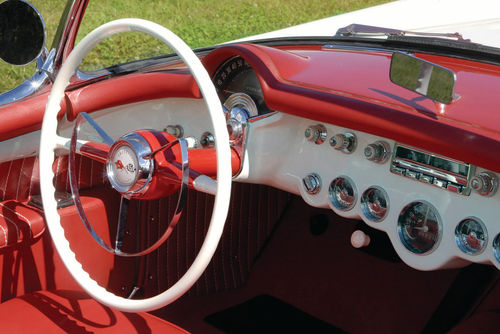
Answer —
332 195
401 233
364 204
460 238
496 247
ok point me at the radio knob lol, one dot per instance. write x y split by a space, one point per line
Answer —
316 133
312 183
377 152
345 142
485 184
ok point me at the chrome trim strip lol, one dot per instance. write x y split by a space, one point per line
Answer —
355 48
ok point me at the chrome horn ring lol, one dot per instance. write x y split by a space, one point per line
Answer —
122 216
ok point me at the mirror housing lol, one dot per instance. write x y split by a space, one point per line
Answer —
423 77
22 32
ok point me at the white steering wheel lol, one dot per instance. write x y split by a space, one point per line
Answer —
50 141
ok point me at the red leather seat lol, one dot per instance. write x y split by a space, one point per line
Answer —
66 311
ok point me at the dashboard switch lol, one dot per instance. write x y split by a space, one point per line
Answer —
485 183
426 178
412 174
440 183
312 183
345 142
316 133
377 152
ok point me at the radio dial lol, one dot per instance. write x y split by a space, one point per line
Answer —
485 184
345 142
316 134
377 152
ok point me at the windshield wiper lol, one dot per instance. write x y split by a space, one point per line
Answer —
361 30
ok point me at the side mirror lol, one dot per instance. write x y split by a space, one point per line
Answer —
423 77
22 32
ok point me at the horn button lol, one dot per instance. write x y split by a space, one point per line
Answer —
128 172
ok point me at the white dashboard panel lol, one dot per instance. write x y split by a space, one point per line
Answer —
279 155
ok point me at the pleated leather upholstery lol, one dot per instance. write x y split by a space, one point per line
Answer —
89 173
19 179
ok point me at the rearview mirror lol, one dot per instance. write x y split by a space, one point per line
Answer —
422 77
22 32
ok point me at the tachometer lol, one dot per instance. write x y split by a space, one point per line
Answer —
419 227
236 76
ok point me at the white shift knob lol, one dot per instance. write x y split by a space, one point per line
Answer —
359 239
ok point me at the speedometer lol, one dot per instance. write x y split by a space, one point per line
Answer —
419 227
236 76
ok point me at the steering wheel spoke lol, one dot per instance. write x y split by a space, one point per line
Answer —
100 131
122 222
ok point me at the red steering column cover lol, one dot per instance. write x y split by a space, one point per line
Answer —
168 174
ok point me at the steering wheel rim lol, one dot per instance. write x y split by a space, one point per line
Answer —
51 141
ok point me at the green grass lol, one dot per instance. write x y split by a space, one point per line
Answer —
199 23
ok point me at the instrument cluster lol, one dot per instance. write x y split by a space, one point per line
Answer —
438 212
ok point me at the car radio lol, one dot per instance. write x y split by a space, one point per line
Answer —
431 168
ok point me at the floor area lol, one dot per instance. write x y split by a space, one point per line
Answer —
324 276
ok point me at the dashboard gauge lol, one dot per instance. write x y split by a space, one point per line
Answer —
342 193
471 236
419 227
374 204
236 76
496 247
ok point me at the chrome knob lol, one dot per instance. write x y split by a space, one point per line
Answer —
234 128
345 142
175 130
312 183
207 140
377 152
485 183
316 133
